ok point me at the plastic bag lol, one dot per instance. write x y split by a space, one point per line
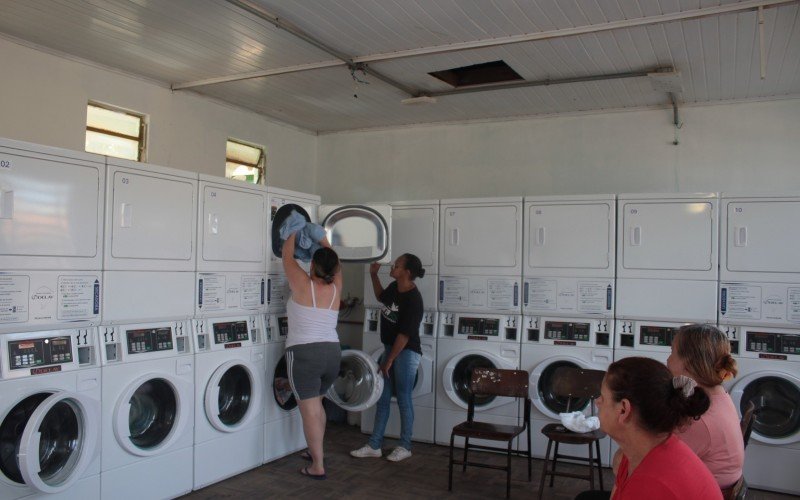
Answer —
578 422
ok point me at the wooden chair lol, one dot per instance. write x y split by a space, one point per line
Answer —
739 490
493 382
574 384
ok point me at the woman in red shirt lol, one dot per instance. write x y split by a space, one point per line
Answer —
640 406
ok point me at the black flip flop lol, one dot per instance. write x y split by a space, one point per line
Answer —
316 477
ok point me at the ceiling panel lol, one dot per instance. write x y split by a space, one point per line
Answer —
180 41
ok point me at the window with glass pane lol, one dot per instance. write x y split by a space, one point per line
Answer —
244 162
114 132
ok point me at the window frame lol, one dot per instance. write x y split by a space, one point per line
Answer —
141 140
260 165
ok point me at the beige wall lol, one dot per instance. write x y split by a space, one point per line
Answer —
43 100
729 147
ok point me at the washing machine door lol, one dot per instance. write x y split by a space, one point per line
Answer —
776 396
423 383
359 384
457 377
233 395
541 387
57 443
152 413
282 389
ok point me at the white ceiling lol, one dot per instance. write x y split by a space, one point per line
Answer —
184 41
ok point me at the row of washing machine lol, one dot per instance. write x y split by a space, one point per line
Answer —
768 361
149 410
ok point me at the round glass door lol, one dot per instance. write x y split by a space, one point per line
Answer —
462 378
377 356
359 384
44 441
554 403
11 434
152 413
777 402
281 389
233 395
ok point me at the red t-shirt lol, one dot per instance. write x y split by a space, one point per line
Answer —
671 471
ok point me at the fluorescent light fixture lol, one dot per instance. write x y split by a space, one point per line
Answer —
666 81
423 99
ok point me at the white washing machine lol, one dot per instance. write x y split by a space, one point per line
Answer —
358 233
50 415
231 257
283 431
415 230
667 268
465 249
147 410
357 388
422 396
465 342
150 243
229 390
769 376
759 310
51 237
568 301
549 343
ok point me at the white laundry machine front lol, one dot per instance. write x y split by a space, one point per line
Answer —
415 230
150 243
769 376
50 415
229 395
358 387
551 343
667 269
465 342
147 410
51 237
283 430
422 396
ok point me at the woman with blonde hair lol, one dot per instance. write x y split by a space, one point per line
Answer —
703 353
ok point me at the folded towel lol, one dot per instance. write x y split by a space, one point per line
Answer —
308 235
576 421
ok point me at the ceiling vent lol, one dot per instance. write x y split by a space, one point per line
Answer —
478 74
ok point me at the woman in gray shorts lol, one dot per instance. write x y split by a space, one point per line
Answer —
312 345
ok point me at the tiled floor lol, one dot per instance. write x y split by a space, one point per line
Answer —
424 475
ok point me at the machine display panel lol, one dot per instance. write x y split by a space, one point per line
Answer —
39 352
283 326
656 335
771 342
149 340
479 326
231 331
565 330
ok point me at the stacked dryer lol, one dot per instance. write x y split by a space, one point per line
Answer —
759 309
284 428
666 269
148 363
415 230
568 300
230 370
480 267
51 235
